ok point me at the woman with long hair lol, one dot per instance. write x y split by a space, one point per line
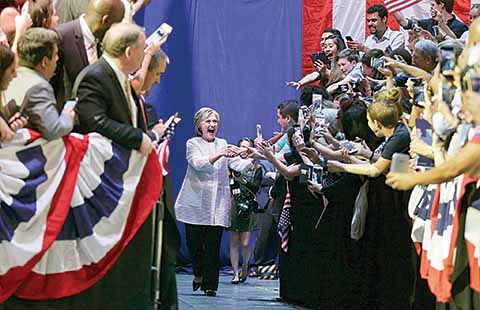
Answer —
244 187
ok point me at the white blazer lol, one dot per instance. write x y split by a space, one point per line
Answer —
205 197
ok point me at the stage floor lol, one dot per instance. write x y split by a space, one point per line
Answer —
254 294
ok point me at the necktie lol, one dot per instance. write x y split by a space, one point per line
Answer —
130 103
144 116
99 48
92 53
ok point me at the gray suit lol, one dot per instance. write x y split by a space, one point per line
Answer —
68 10
36 99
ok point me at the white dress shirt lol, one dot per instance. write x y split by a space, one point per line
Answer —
392 39
88 40
205 197
123 79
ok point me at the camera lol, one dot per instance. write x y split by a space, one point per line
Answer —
244 199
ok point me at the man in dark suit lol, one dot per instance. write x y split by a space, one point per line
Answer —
80 43
107 104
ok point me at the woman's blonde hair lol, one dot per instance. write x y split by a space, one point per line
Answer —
202 115
386 107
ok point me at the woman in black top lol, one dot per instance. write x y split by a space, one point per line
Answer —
389 275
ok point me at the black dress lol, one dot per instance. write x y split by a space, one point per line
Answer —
389 281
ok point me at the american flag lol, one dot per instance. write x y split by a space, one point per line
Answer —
285 223
399 5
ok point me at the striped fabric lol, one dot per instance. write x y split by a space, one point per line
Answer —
69 207
285 223
399 5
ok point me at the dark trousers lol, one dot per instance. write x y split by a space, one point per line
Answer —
203 243
267 243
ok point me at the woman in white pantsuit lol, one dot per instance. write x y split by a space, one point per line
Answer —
204 201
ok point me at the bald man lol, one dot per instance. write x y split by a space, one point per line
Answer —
80 43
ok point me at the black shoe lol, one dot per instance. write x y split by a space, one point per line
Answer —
210 293
196 285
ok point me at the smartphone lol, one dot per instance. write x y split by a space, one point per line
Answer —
471 82
259 132
349 147
25 8
321 56
399 163
317 174
377 63
157 35
448 61
424 131
70 104
475 81
343 88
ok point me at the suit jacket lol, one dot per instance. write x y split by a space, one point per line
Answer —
68 10
35 97
102 106
72 58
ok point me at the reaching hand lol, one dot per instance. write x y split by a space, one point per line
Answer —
314 187
400 181
335 166
22 23
312 154
265 149
294 84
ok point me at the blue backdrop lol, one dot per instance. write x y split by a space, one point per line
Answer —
232 55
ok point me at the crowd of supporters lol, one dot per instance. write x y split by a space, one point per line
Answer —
375 119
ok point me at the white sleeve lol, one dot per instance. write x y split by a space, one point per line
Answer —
196 159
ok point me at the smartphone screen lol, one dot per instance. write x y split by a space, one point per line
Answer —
259 132
399 163
70 104
448 60
475 83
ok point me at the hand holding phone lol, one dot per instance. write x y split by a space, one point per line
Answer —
160 33
400 163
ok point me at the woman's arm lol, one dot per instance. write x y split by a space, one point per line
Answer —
200 162
370 170
465 161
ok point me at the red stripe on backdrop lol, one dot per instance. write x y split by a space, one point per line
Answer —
461 8
317 16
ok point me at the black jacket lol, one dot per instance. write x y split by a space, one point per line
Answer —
102 106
